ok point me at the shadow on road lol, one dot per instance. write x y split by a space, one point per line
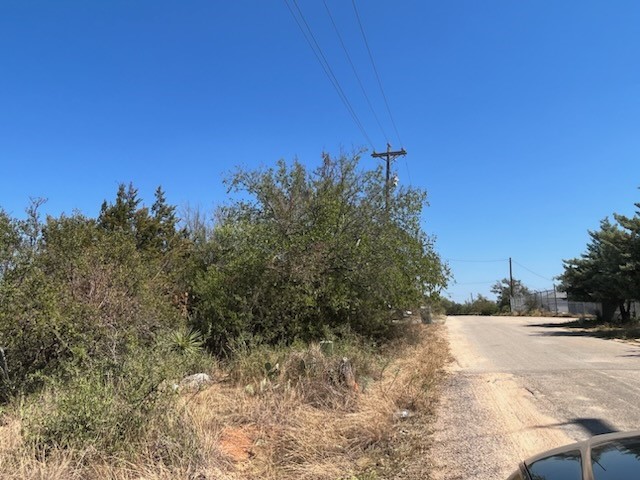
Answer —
585 328
593 426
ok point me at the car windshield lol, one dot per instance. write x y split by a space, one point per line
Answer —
620 459
563 466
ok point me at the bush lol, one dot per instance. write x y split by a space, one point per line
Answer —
309 253
480 306
114 409
73 288
484 306
316 374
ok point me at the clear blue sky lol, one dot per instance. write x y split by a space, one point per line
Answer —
521 118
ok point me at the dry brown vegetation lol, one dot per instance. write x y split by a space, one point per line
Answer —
305 419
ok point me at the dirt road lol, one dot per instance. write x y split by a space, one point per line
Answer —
518 386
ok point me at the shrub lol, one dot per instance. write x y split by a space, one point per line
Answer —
73 288
304 253
114 409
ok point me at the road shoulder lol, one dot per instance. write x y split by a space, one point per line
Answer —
485 422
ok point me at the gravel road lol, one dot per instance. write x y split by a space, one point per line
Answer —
521 385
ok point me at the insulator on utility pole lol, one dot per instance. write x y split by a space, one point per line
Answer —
389 156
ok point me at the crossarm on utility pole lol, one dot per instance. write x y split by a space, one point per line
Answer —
388 155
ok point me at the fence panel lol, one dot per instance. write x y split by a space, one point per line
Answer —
555 302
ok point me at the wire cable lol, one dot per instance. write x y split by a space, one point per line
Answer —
531 271
477 261
386 102
355 72
313 43
407 167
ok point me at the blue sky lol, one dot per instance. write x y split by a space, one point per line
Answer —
521 118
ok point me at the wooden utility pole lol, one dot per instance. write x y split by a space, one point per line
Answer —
389 156
510 278
511 299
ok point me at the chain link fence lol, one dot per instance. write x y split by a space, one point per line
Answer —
557 303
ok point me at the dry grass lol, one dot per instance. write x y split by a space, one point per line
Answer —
306 422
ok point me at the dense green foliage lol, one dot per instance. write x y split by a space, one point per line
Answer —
502 291
114 409
76 291
88 318
609 270
100 316
303 253
481 305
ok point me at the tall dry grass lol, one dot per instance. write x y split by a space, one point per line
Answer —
299 421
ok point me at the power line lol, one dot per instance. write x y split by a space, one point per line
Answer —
477 261
355 72
531 271
327 68
324 63
373 64
408 172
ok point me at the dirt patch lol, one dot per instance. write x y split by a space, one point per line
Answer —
237 443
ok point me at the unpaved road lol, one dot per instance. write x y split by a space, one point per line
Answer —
519 386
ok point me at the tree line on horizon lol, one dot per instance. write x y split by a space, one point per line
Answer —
482 305
607 273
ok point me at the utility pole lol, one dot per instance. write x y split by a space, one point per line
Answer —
510 278
511 299
389 156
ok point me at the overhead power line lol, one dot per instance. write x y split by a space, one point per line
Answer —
373 64
477 261
534 273
324 63
355 71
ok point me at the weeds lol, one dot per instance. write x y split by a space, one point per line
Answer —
304 422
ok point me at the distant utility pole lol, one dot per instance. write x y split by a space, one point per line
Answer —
389 155
510 277
510 280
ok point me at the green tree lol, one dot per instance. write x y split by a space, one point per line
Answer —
121 215
74 289
304 252
452 307
502 290
483 306
10 241
601 274
631 254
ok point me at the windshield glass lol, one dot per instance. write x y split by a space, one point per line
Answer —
620 459
564 466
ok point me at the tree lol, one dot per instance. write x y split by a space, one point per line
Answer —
502 290
602 273
121 215
479 306
483 306
75 289
631 253
9 243
303 253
